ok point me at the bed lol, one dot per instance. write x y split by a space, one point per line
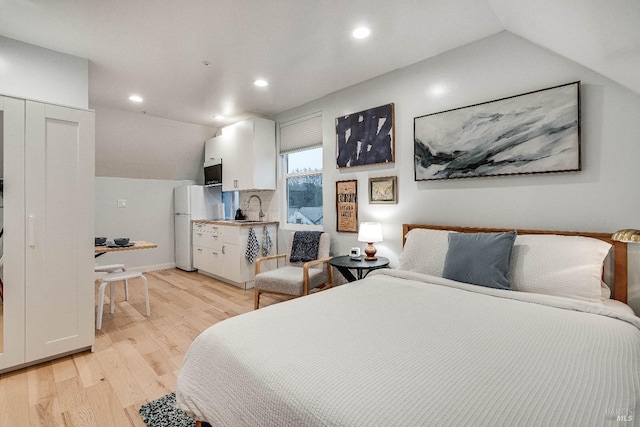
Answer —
412 346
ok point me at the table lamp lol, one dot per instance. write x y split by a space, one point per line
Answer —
628 235
370 232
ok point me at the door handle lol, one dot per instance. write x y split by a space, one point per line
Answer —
32 230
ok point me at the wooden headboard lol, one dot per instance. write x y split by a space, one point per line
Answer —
619 248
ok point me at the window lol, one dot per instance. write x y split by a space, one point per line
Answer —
301 171
303 179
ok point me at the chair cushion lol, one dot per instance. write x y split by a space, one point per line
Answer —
288 280
323 250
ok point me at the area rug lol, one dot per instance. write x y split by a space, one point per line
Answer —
164 413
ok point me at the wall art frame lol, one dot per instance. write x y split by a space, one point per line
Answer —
383 190
366 137
531 133
347 206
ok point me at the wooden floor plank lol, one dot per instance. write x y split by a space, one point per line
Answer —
14 399
135 359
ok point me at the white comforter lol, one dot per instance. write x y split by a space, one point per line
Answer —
404 349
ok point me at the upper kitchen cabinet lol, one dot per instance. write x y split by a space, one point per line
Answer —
248 153
212 148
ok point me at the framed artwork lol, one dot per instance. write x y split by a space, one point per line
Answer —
383 190
347 206
536 132
365 137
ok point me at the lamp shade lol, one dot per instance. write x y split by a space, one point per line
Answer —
370 232
628 235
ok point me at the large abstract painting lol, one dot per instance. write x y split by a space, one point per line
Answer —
366 137
536 132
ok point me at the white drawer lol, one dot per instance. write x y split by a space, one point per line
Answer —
200 236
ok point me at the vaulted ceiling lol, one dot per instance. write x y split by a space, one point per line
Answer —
303 48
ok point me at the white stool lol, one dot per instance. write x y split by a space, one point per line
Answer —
110 278
112 268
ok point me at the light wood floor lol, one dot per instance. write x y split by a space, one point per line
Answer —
136 358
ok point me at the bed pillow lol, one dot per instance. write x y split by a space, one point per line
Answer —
565 266
424 251
480 258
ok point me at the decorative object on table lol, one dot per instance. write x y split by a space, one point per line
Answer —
347 206
354 253
121 241
370 232
100 241
383 190
163 412
266 241
365 137
252 246
536 132
628 235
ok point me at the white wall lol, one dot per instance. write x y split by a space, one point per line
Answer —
148 216
134 145
602 197
32 72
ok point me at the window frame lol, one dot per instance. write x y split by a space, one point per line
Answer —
283 176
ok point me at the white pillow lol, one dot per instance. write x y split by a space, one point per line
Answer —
425 251
565 266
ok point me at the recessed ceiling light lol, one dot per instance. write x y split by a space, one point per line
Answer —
135 98
361 33
261 83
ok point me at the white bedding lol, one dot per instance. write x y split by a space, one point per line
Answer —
396 350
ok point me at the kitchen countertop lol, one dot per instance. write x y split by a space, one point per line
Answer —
238 223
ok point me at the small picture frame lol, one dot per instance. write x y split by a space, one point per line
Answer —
383 190
347 206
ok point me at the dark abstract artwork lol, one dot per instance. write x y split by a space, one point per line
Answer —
366 137
536 132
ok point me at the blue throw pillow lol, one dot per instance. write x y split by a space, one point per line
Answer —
480 258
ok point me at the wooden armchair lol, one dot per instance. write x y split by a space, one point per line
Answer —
297 278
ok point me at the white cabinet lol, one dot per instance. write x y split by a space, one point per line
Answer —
248 153
207 248
49 223
212 148
219 251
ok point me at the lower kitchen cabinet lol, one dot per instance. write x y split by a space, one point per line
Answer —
219 251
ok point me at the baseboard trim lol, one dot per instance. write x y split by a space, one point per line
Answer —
156 267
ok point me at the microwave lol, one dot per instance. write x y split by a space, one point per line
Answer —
213 173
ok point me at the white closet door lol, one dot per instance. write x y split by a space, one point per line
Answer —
12 351
59 171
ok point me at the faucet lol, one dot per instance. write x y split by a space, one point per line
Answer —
260 214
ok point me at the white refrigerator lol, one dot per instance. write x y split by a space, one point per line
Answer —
192 202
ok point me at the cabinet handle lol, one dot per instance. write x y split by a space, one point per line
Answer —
199 234
199 250
32 231
222 249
